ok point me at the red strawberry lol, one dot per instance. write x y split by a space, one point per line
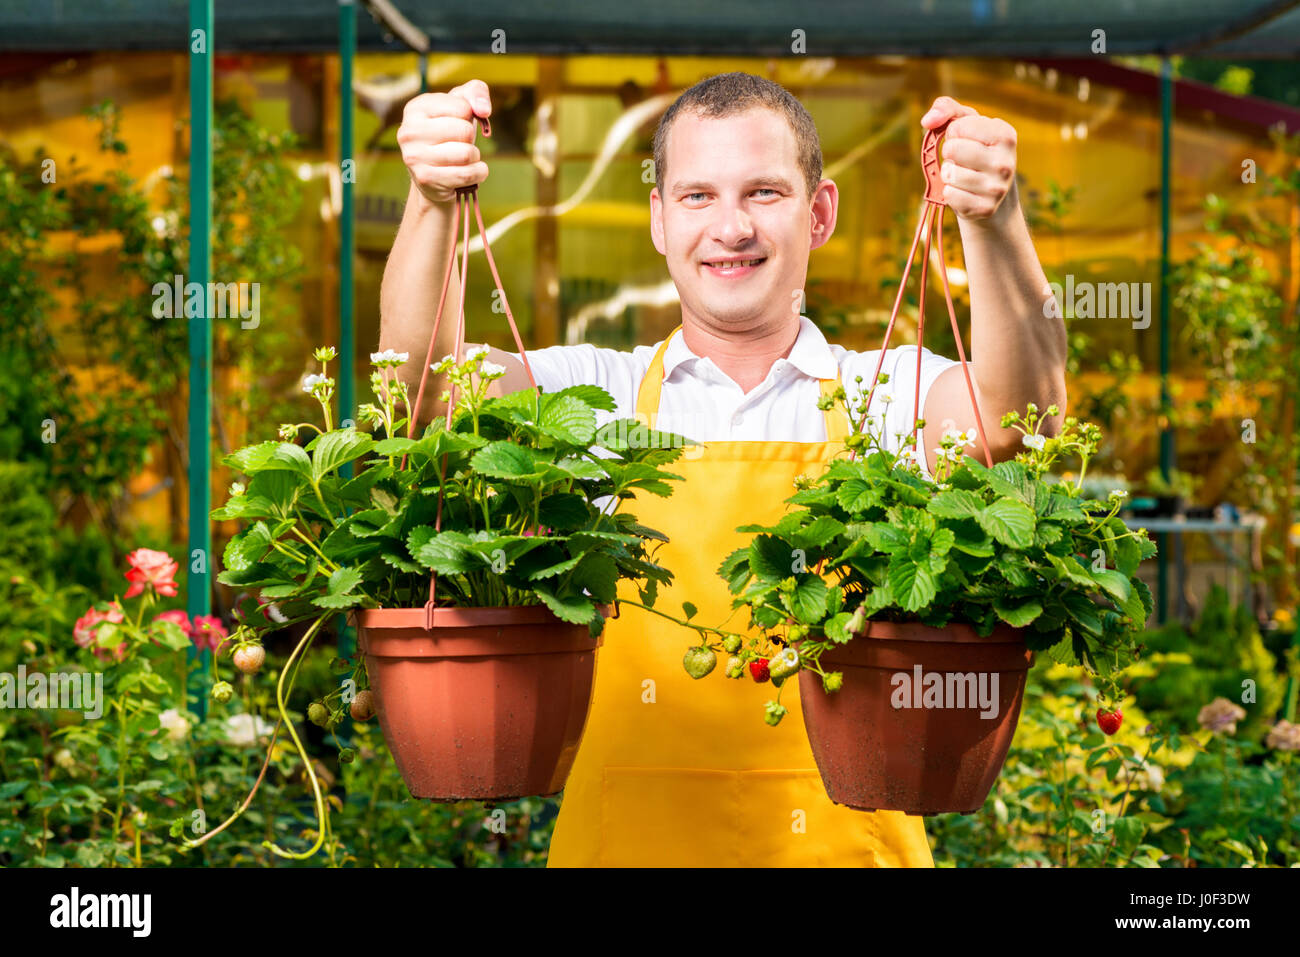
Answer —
758 669
1109 721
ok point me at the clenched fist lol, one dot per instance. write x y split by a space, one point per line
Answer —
437 140
979 155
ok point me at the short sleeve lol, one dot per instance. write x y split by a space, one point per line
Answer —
618 373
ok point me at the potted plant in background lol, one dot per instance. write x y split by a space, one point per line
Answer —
908 591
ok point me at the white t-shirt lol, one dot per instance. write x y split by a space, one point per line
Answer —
702 403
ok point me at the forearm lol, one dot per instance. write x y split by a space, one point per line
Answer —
409 294
1018 347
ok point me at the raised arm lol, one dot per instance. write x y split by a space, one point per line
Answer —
1018 347
437 141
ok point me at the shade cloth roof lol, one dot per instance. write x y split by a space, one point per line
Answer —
1235 28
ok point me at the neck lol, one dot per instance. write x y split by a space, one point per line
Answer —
745 357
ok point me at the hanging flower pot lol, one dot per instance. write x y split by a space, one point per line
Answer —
909 605
924 719
489 704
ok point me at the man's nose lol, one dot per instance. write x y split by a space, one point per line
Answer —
733 225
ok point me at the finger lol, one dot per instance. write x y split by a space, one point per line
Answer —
441 154
476 93
943 109
435 129
438 104
967 204
969 154
983 129
449 177
972 181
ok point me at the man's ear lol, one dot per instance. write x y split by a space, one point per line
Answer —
825 206
657 221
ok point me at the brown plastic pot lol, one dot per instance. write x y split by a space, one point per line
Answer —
879 748
490 704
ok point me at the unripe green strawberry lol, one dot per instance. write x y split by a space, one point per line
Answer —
699 661
362 707
784 664
222 692
347 756
833 681
773 713
249 659
735 667
318 714
732 644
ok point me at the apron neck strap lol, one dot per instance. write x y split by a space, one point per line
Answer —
647 397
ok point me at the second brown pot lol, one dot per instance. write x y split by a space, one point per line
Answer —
895 738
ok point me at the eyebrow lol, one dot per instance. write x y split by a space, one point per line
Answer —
761 182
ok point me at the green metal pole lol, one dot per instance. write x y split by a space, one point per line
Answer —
1166 433
347 248
347 241
198 591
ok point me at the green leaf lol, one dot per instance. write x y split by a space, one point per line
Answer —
688 610
447 553
1018 616
598 574
247 547
251 459
856 496
1010 522
808 603
770 558
567 418
592 395
577 609
836 628
1113 583
1063 651
169 635
1069 567
887 538
966 540
581 468
397 445
337 448
818 532
563 511
506 460
911 583
956 503
289 457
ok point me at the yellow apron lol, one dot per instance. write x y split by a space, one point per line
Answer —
675 772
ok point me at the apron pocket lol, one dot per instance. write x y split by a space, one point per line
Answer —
688 817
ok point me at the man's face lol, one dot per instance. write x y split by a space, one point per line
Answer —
735 221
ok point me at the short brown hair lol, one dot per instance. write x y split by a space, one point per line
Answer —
728 94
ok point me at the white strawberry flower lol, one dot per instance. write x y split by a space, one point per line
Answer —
1035 442
490 370
475 353
388 358
311 383
969 436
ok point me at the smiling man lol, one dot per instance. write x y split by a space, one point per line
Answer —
673 772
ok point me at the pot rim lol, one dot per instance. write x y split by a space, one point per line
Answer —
956 631
462 617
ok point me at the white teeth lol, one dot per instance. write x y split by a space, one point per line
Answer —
736 265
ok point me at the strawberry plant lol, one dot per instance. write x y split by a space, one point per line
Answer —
875 538
516 500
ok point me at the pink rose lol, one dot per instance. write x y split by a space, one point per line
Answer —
177 617
83 632
151 568
208 632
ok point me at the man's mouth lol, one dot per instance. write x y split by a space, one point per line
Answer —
733 267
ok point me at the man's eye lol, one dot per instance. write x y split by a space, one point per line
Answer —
695 196
766 190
